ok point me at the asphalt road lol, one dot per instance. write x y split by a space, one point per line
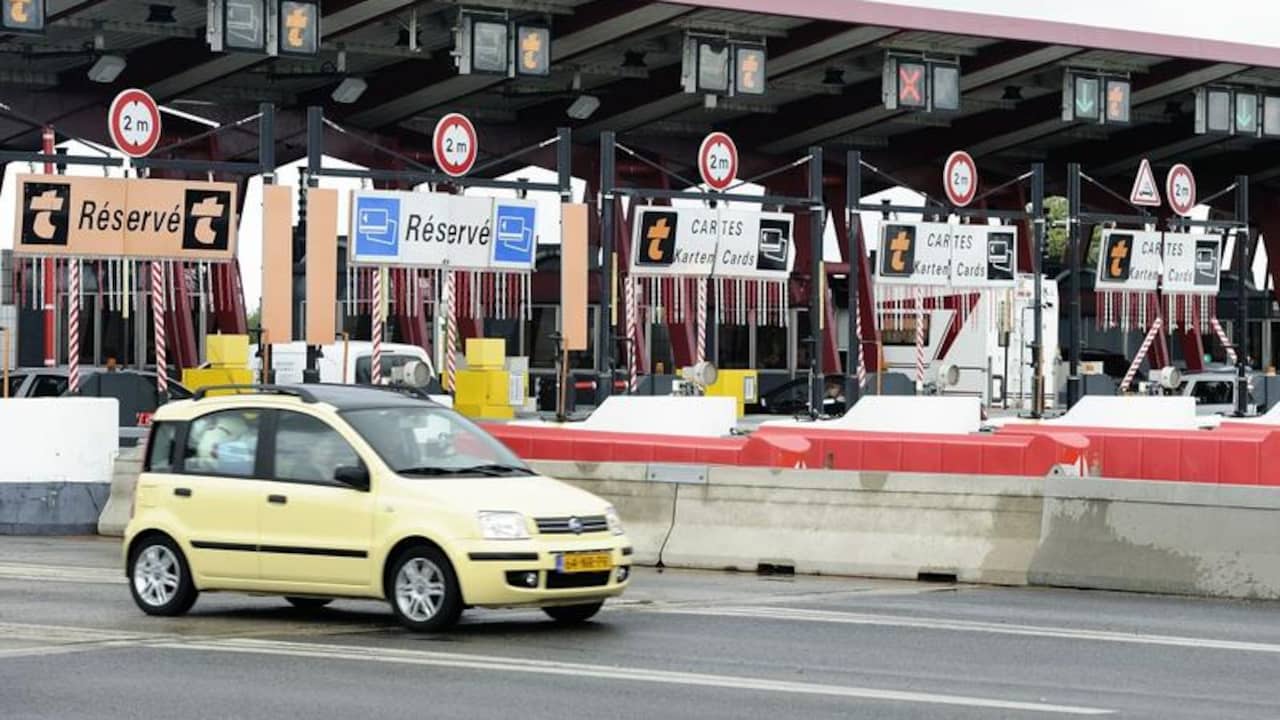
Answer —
680 645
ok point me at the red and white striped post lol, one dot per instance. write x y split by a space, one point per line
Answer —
633 381
856 347
701 342
919 339
1142 354
157 312
73 325
1222 338
451 329
376 330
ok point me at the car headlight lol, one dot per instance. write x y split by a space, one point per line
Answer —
615 522
503 526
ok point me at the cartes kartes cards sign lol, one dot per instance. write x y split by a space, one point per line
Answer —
113 217
416 229
945 255
1129 260
704 242
1192 263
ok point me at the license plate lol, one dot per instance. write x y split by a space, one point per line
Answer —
584 562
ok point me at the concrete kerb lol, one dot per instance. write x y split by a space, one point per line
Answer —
1152 536
115 515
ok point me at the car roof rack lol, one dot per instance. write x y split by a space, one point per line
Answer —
297 392
411 390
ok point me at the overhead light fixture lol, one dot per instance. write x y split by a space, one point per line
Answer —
833 76
107 69
162 14
583 107
633 60
349 90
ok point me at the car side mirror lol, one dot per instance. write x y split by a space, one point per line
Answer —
354 476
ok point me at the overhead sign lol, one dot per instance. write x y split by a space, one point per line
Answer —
718 161
26 16
417 229
960 178
455 144
533 50
1129 260
299 32
1180 187
134 123
1192 263
244 25
707 242
942 254
1145 192
112 217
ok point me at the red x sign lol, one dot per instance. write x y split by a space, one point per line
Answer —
911 84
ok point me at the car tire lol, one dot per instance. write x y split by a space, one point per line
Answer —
160 578
308 603
423 590
573 614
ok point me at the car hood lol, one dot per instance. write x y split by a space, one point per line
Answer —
532 495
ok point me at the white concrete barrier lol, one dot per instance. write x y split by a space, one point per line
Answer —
58 461
1131 413
1183 538
903 413
687 416
124 478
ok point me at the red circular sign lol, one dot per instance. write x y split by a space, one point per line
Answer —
718 161
455 145
134 123
960 178
1180 188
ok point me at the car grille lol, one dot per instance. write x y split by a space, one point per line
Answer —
560 525
561 581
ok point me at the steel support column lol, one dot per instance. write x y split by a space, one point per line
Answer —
1074 263
604 329
1243 237
817 282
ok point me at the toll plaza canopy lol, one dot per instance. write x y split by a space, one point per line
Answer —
826 66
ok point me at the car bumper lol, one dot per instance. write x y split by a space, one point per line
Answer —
493 574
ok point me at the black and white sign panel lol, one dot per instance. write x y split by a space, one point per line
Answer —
1192 263
941 254
984 256
705 242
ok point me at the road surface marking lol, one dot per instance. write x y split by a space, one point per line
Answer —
925 623
62 573
603 672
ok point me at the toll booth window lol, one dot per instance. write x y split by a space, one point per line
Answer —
771 347
538 331
48 386
222 443
660 352
803 348
900 330
507 329
734 347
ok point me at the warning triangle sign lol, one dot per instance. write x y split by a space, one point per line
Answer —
1145 190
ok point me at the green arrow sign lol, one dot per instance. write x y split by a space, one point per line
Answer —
1246 113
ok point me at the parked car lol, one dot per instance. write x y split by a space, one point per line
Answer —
315 492
792 397
1215 391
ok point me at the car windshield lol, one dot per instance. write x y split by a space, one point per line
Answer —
433 442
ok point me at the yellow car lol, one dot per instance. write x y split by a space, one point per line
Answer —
315 492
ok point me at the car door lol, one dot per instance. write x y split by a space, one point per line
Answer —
315 530
214 492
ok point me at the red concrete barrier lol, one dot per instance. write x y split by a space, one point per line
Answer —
554 443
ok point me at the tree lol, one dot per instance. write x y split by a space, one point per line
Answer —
1058 238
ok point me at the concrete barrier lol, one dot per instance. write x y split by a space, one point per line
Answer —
1182 538
58 456
115 515
895 414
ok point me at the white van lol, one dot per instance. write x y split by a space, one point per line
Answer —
290 359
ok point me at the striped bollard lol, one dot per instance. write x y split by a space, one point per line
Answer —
157 312
375 362
701 341
451 329
633 382
919 339
1142 354
856 345
1226 342
73 326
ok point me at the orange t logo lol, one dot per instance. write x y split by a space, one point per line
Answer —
750 66
19 11
658 232
529 47
44 206
296 22
1119 252
206 210
899 245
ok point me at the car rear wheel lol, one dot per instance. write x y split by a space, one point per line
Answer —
424 591
308 603
159 577
573 614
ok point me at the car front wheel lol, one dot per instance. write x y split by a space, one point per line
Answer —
159 577
424 591
573 614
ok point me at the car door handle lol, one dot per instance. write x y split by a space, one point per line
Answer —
277 499
182 492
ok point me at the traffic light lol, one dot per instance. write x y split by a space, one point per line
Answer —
916 83
1271 116
299 29
1096 98
719 65
533 50
23 16
244 25
1245 112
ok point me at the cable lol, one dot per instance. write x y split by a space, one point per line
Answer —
675 501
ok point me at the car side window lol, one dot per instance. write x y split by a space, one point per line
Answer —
223 443
1213 392
15 384
160 447
48 386
309 450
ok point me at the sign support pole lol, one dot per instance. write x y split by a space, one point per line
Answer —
315 153
604 330
267 159
1037 256
1243 238
818 218
1074 263
853 254
47 138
